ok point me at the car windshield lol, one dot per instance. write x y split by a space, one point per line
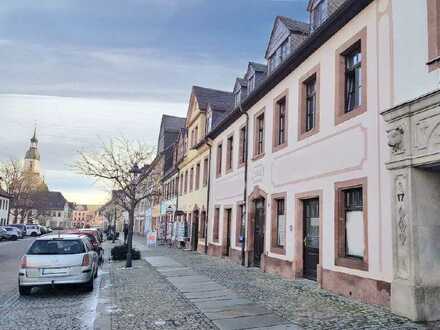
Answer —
57 246
9 229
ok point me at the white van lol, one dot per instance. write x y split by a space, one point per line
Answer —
33 230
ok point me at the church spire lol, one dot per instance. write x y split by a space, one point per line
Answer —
34 138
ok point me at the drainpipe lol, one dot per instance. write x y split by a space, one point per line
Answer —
207 198
244 215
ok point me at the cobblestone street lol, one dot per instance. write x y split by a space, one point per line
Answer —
300 301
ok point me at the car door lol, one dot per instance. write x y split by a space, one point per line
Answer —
91 252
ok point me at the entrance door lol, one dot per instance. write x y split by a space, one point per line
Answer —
195 231
228 216
311 238
260 219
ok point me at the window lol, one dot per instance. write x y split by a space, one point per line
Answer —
239 224
280 122
310 116
186 181
237 98
196 135
181 184
197 176
215 233
278 225
202 222
319 14
281 222
351 78
251 84
229 153
242 146
351 225
205 171
259 135
191 179
433 15
219 159
308 120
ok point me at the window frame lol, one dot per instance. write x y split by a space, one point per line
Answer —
216 225
219 160
197 179
259 154
358 40
205 171
274 247
304 81
341 257
191 179
276 144
242 145
230 153
238 223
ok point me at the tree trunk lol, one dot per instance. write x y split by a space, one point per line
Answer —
130 236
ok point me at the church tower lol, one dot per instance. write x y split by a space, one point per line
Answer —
31 168
32 158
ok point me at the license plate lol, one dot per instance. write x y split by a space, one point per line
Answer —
33 273
55 271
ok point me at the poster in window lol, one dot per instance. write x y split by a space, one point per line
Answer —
354 226
281 237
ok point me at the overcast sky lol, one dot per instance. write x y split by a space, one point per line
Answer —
88 70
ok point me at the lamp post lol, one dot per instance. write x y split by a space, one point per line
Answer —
135 170
114 225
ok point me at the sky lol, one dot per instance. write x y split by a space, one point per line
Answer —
85 71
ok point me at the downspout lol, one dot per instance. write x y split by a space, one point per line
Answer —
244 215
207 198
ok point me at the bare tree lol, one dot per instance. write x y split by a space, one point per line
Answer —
20 186
126 167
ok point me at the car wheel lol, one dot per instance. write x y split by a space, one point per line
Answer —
14 238
33 234
89 285
24 290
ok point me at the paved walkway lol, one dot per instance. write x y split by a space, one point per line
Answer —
301 301
225 308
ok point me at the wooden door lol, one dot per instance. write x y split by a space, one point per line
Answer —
311 237
260 219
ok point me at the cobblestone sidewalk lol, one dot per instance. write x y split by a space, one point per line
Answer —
299 301
141 298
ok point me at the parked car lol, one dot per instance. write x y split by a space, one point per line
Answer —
33 230
43 229
14 232
20 226
4 235
58 259
93 240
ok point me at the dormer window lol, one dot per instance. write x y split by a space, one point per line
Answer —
237 98
251 84
209 122
279 56
319 14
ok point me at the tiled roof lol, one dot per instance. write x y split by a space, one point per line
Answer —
294 25
216 98
48 200
173 123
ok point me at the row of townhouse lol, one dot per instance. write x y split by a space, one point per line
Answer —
322 164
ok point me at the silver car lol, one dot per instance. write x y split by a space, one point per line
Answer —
58 259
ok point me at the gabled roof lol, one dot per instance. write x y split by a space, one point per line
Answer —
47 200
216 98
240 83
258 67
172 123
292 25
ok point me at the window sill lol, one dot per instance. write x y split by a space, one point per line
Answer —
279 147
305 135
353 263
344 116
257 157
229 170
278 250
